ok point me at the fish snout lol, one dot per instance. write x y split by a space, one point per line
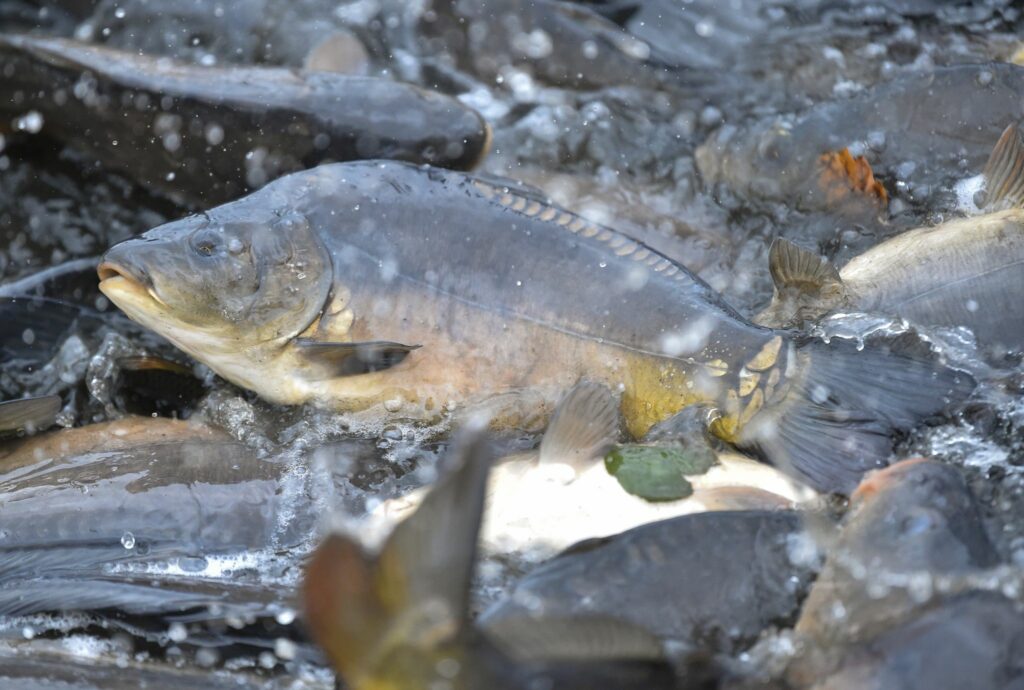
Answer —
127 261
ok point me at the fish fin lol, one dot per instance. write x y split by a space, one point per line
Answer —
29 414
586 638
845 178
507 185
343 611
792 266
1004 172
740 498
416 591
584 425
837 418
352 359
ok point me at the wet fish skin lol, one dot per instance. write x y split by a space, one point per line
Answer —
935 119
204 135
916 518
350 286
710 581
182 491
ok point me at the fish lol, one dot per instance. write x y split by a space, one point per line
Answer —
205 135
398 616
966 272
396 290
125 517
916 518
934 119
709 582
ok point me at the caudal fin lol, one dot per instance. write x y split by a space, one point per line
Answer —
843 406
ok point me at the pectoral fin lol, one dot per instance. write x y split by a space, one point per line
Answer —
352 359
794 267
1004 172
583 427
29 414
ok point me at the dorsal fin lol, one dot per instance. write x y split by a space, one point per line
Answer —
795 267
1004 172
584 425
352 359
415 593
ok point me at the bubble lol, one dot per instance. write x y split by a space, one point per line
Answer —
30 122
214 134
177 632
119 13
28 336
285 617
128 540
284 648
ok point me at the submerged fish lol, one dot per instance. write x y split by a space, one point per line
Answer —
385 285
936 120
965 272
206 135
399 618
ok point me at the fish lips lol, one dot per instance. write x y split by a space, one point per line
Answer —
118 266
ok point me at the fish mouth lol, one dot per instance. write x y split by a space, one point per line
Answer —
122 278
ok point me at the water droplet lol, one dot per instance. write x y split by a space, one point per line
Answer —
128 540
119 13
28 336
603 264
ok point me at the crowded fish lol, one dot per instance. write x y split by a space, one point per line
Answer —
966 272
454 345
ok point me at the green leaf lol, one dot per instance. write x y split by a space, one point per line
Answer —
658 474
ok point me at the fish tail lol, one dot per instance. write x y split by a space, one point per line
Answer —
833 418
363 607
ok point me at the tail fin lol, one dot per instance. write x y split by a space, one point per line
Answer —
837 419
415 593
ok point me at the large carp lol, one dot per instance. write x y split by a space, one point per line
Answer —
416 290
204 135
965 272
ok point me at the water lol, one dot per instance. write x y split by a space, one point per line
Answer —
596 136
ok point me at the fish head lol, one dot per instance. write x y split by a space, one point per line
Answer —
231 287
759 162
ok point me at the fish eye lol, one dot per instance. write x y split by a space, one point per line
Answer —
205 243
